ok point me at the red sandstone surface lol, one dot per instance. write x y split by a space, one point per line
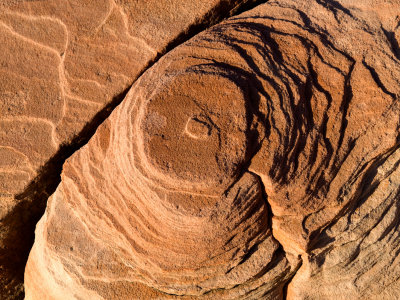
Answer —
259 159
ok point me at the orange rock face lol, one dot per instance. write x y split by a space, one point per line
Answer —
189 222
258 160
62 64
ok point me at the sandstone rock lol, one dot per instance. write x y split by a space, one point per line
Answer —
169 161
357 256
288 112
61 62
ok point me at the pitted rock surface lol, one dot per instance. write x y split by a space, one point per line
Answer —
258 160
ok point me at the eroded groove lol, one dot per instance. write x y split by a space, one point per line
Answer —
370 180
281 248
378 81
335 7
390 35
286 284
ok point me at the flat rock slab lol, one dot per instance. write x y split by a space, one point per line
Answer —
258 160
61 62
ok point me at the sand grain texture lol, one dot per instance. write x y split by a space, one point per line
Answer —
258 160
63 66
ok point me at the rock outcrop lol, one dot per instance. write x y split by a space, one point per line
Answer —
63 66
258 160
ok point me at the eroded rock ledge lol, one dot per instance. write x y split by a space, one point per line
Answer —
262 152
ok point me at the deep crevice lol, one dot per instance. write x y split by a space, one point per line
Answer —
281 248
286 284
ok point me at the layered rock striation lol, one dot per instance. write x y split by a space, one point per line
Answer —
258 160
63 66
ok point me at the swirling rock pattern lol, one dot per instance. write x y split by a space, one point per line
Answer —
61 62
190 221
259 160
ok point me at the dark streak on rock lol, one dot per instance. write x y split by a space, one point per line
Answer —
378 81
393 42
335 7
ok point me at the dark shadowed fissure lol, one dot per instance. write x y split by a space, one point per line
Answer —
280 250
21 221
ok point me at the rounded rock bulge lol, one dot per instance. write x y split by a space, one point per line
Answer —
193 133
